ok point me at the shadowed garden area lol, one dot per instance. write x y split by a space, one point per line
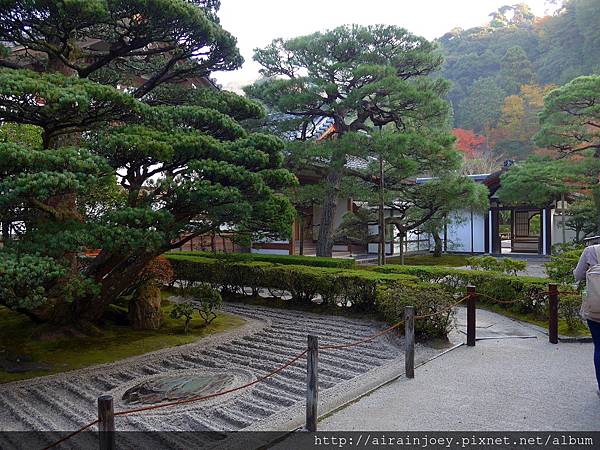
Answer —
30 350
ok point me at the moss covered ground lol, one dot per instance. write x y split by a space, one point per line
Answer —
113 342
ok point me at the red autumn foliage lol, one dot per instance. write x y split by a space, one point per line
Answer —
158 270
468 142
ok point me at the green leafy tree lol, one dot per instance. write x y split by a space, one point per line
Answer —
537 181
407 155
516 70
122 171
582 218
570 124
361 78
482 108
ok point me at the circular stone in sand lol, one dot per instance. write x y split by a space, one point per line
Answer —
173 387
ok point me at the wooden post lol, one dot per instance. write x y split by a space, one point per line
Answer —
553 313
409 341
106 424
312 383
471 318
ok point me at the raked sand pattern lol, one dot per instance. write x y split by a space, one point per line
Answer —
269 338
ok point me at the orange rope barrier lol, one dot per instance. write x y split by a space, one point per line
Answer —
74 433
454 305
387 330
495 300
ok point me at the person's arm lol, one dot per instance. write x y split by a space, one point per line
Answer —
583 265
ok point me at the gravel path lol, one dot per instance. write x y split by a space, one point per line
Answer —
270 337
500 384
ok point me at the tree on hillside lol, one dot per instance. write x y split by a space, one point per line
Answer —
481 110
516 70
468 142
112 171
559 48
518 123
360 77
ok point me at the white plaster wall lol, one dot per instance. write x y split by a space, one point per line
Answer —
459 232
557 236
269 251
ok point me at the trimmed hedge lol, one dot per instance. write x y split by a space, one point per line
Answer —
530 293
295 260
303 283
384 293
425 297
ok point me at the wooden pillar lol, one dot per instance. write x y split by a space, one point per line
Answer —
409 341
553 313
292 244
106 423
471 315
312 383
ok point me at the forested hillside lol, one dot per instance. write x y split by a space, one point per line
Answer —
502 71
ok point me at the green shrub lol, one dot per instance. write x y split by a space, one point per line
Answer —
560 267
295 260
504 265
201 298
529 294
183 311
512 266
483 262
392 299
568 308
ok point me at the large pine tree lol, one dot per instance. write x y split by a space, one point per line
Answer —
118 166
362 78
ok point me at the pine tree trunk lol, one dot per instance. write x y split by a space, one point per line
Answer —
325 240
439 245
56 309
596 197
144 308
301 226
402 237
5 232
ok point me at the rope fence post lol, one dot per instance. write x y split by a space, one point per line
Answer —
312 383
553 313
409 341
471 315
106 423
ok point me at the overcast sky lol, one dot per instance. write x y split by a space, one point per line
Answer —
256 22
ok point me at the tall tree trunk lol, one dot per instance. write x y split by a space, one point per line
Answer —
438 243
301 227
596 197
56 309
402 238
5 232
332 189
